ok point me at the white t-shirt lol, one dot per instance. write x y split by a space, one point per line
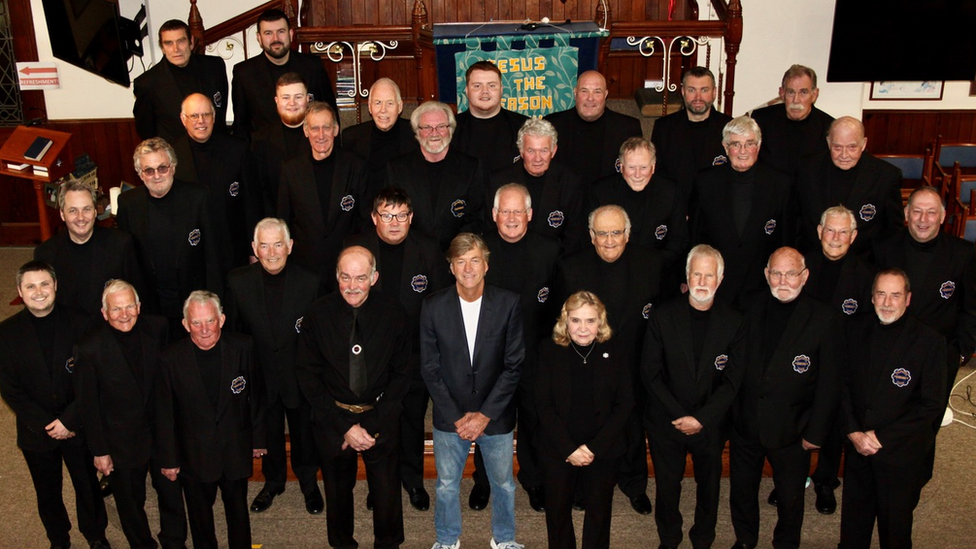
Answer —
470 313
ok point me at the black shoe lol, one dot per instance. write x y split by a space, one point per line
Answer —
578 503
662 546
100 544
641 504
419 499
65 546
537 498
104 487
264 499
313 502
742 545
826 502
478 499
369 501
773 498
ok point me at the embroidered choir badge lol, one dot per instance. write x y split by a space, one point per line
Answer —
646 311
617 165
901 377
218 100
457 208
867 212
298 324
770 226
947 289
517 158
194 237
719 160
801 363
556 219
721 361
234 189
849 306
660 232
237 386
418 283
347 203
543 294
69 365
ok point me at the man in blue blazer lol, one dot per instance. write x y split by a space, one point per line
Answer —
471 352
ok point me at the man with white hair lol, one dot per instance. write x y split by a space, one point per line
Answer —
790 390
690 394
447 187
743 208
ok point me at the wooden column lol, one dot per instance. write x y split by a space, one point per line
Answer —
733 37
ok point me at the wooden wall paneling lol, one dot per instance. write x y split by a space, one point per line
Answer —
535 10
909 132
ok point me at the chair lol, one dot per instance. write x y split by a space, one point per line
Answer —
947 154
916 170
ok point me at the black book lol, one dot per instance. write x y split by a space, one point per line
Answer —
38 148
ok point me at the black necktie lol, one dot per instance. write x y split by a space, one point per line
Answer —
357 362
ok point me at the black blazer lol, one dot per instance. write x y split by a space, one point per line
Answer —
901 416
685 147
116 408
359 138
275 343
575 143
770 225
269 152
318 240
254 89
613 400
460 201
558 208
504 152
458 386
795 394
197 259
852 295
114 256
785 141
159 100
235 197
676 385
207 443
944 295
35 392
875 200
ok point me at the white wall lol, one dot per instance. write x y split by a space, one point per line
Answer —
776 34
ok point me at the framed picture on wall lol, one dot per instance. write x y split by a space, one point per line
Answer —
930 90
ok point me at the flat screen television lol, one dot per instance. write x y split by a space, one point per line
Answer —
903 40
89 35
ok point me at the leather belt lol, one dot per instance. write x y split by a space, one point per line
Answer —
354 408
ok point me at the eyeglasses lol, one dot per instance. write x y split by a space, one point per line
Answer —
607 234
200 115
739 145
507 213
401 217
162 169
790 275
441 128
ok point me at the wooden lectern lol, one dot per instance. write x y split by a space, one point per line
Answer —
57 161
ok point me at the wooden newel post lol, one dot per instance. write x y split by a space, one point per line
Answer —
195 22
733 37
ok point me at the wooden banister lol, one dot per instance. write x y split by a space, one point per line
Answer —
240 23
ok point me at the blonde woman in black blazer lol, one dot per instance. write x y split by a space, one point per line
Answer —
584 397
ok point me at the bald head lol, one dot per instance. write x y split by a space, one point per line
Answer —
385 103
197 115
846 142
591 95
786 273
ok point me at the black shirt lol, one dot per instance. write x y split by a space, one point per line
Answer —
209 362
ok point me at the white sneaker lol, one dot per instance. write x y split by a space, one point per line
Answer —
506 545
455 545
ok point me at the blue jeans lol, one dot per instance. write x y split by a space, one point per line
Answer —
450 454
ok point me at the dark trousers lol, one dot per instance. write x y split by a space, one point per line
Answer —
46 473
632 466
303 460
530 468
412 434
829 455
383 478
668 453
878 490
200 498
595 482
129 489
790 465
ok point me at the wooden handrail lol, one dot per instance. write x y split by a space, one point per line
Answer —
234 25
